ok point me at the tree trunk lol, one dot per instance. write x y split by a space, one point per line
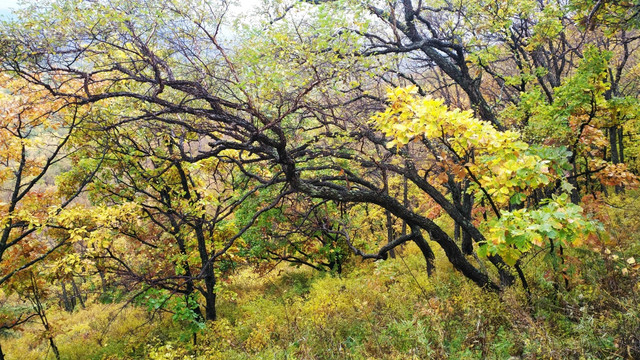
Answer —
66 301
190 287
467 242
458 217
390 232
575 193
37 306
103 281
210 300
405 202
614 141
54 348
77 293
613 144
621 145
209 274
428 254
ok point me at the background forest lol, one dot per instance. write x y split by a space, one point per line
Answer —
326 179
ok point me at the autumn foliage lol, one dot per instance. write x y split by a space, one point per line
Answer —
319 179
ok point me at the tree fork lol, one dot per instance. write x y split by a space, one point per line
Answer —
453 252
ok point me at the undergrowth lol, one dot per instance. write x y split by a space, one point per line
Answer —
390 309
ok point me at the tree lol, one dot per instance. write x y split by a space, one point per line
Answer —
294 95
516 55
300 231
35 129
181 229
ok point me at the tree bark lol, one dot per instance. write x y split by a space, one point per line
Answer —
613 144
620 144
428 254
467 206
66 301
39 308
209 274
76 293
103 281
390 232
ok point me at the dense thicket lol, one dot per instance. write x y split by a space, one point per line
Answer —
153 147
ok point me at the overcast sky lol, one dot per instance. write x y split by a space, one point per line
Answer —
6 4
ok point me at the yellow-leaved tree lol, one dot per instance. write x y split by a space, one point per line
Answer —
523 185
35 133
